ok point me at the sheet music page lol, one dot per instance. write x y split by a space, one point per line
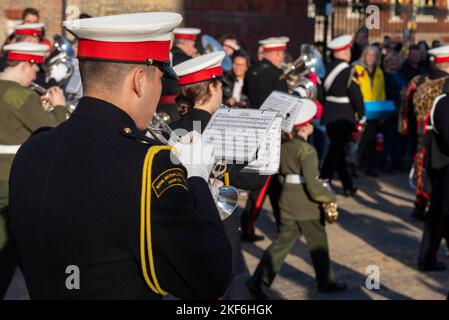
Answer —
285 104
236 134
268 156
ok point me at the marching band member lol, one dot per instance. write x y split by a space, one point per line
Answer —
439 120
21 113
184 44
300 202
136 219
433 161
262 79
183 49
200 86
201 80
413 120
33 33
343 110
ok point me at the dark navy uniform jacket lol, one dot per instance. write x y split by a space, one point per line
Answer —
343 116
237 179
95 193
261 80
439 150
440 119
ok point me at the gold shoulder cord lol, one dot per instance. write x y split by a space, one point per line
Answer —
145 221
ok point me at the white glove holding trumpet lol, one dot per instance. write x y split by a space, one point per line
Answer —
195 155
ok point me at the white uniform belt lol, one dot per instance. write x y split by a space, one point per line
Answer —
294 179
11 149
338 99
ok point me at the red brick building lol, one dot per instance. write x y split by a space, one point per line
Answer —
427 19
250 20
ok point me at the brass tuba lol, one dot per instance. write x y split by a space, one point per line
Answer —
59 64
310 61
209 45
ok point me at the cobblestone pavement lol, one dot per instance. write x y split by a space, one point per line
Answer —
374 228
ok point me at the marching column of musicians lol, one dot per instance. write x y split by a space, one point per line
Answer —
96 189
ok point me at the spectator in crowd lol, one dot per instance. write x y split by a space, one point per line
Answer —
424 62
395 85
360 43
411 67
232 94
387 47
30 15
372 85
436 44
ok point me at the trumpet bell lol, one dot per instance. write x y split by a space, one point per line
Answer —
227 200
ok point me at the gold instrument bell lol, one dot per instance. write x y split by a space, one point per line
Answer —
330 212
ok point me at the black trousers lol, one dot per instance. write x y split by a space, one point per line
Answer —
335 159
251 211
8 264
436 225
367 156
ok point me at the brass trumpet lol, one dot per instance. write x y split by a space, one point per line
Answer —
46 105
225 197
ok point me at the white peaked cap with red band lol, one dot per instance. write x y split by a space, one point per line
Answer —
201 68
340 43
26 51
127 38
31 29
307 111
440 54
274 44
186 33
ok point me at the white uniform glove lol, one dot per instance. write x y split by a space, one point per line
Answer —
195 155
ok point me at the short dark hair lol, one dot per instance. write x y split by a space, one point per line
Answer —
31 11
241 55
11 63
413 47
104 75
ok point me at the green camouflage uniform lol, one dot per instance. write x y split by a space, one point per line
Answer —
300 213
21 113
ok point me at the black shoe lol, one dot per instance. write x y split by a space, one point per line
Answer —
255 290
371 173
437 266
336 287
252 238
349 192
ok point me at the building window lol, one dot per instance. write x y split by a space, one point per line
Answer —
425 7
425 10
396 8
353 8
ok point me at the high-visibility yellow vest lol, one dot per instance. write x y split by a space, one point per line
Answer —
372 89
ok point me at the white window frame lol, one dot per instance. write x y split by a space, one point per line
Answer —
350 14
424 18
393 17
